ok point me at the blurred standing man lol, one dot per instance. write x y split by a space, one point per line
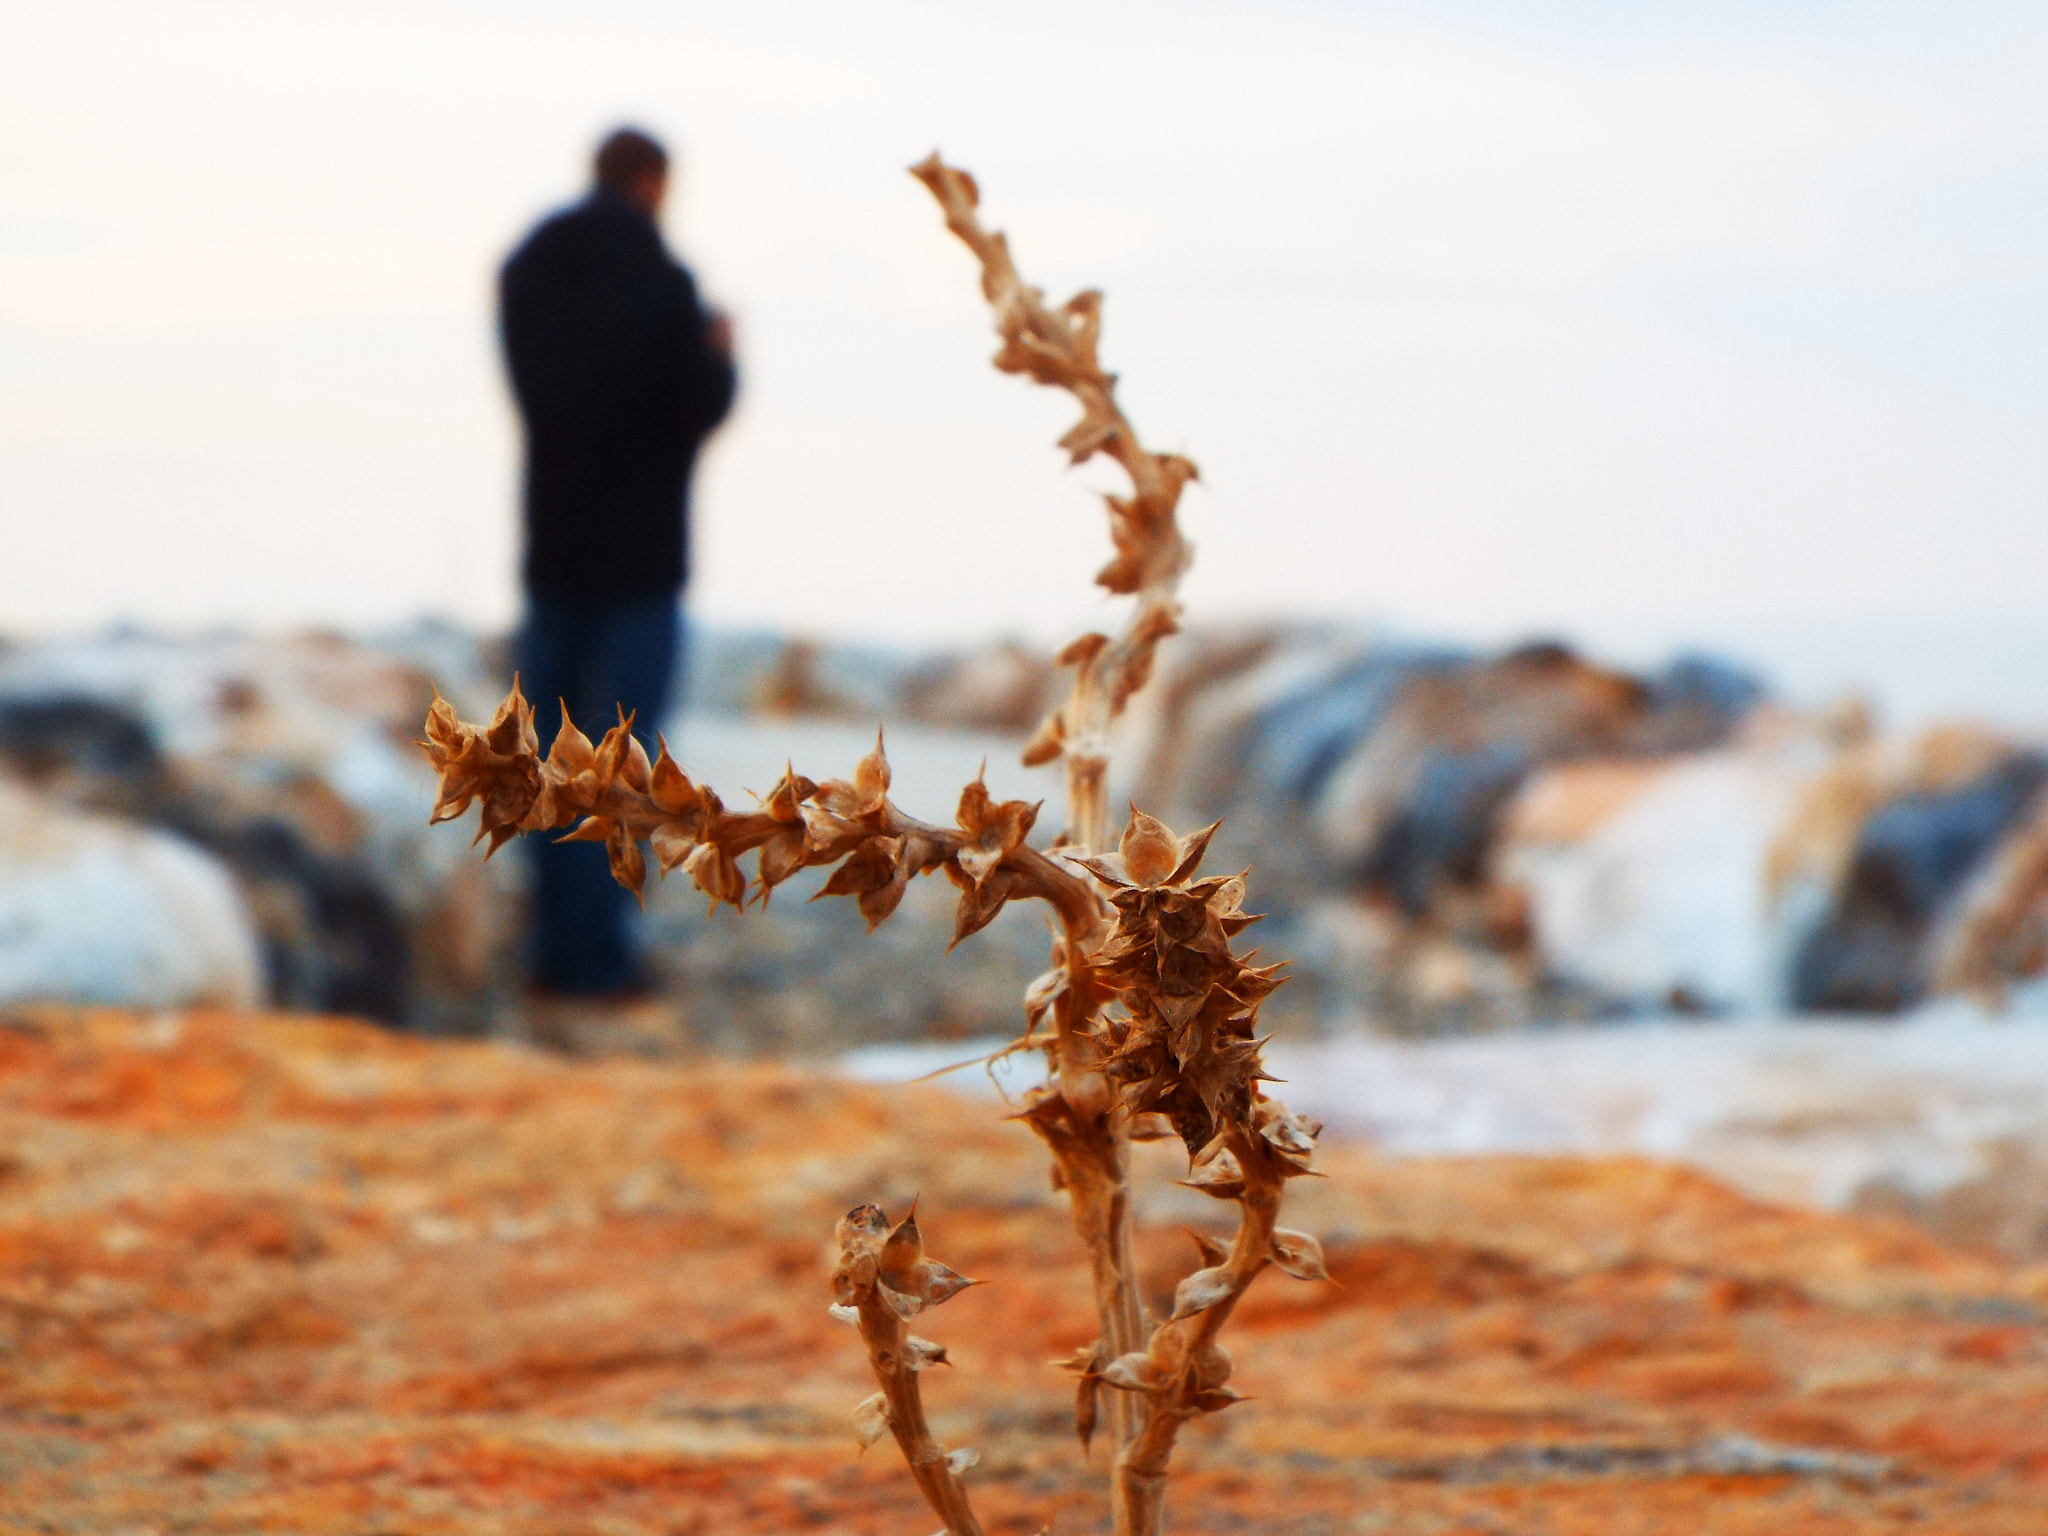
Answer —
620 374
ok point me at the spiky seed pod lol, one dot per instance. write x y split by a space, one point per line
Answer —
1288 1138
1187 1047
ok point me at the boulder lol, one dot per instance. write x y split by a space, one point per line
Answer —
292 760
95 910
1911 856
1644 879
1411 808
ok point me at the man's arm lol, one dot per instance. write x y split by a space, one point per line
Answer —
710 376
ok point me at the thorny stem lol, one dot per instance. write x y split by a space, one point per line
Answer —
862 1280
1088 1138
1058 347
1187 1356
1085 752
884 1334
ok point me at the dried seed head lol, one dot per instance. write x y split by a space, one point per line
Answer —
1291 1137
1188 1049
1149 849
993 829
860 1234
863 1227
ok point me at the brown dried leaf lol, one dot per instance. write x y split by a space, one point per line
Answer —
868 868
671 845
902 1303
1086 1408
669 787
994 829
979 903
901 1252
628 868
1216 1399
871 778
1192 847
878 904
781 856
572 752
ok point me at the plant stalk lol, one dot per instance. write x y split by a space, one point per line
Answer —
884 1334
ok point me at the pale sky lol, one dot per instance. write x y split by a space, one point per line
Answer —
1630 321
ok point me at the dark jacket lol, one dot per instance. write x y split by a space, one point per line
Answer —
618 385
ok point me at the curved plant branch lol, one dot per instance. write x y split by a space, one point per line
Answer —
1057 347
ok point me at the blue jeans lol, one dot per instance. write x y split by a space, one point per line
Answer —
595 654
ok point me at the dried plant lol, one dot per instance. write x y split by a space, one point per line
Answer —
1147 1016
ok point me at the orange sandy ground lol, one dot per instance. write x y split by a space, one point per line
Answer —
266 1274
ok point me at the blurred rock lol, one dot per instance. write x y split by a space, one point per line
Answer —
1645 878
792 686
756 672
1413 805
96 910
1880 845
1446 842
292 761
1344 763
1004 687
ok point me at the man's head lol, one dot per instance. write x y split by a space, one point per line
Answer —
633 165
